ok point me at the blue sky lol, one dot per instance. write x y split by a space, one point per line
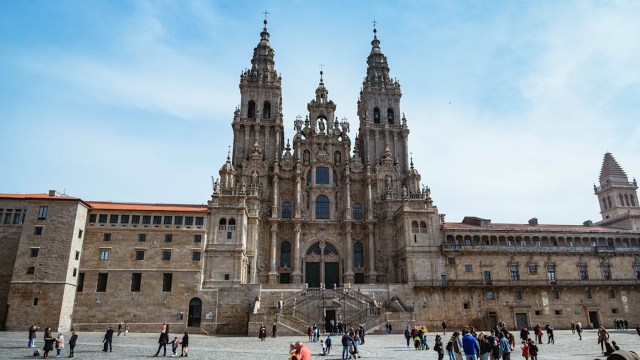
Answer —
511 104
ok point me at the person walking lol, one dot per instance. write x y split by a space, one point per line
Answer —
346 343
505 347
437 347
120 328
579 330
184 351
108 340
603 335
407 335
174 346
444 327
162 343
533 349
72 343
328 343
126 329
33 330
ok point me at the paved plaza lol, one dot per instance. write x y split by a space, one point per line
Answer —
13 345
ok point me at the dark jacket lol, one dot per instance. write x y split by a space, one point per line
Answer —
164 338
72 341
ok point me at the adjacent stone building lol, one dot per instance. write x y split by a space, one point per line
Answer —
331 225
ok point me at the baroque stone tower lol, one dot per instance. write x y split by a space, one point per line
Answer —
617 196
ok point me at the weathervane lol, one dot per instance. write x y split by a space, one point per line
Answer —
265 15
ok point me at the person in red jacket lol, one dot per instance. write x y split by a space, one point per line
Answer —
302 351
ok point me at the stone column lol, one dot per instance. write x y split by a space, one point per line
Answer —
297 258
371 275
348 274
273 273
253 233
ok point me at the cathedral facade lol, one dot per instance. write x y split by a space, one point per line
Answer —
332 224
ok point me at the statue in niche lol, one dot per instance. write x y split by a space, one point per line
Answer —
389 182
337 157
254 177
321 125
405 192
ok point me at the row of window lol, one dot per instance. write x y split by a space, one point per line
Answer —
197 238
623 200
514 271
390 115
285 253
136 282
266 110
517 295
146 219
140 255
12 217
537 242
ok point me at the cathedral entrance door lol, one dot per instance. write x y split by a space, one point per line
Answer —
331 275
312 274
195 309
322 266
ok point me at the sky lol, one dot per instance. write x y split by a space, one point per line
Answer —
511 104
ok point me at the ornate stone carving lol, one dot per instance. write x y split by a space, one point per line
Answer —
262 259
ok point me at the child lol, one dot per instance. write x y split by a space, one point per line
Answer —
417 343
174 346
328 343
324 349
525 350
425 342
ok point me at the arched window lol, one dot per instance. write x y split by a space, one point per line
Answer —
232 224
251 111
314 250
358 255
285 254
328 250
322 207
633 202
335 179
357 211
222 225
621 200
414 227
286 210
609 201
376 115
423 227
390 116
626 199
309 178
604 203
322 175
266 110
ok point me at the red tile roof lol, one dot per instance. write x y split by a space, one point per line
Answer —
101 205
38 196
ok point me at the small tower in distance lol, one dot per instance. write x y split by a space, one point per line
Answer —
617 196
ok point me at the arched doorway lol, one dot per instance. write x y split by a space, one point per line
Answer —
195 310
322 266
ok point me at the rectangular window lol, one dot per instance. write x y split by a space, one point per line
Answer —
177 220
7 218
77 255
168 238
142 237
101 286
167 279
612 294
229 235
146 219
588 294
42 213
166 255
533 268
106 237
509 242
195 256
468 268
113 219
168 220
637 267
451 261
80 282
75 272
551 273
139 254
557 312
157 220
92 218
197 238
31 270
104 254
135 219
491 295
614 311
16 218
80 233
556 294
322 175
37 230
124 219
515 273
34 252
518 295
227 276
102 219
582 272
188 220
199 221
606 272
35 301
136 280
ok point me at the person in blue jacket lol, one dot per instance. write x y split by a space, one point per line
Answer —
470 345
